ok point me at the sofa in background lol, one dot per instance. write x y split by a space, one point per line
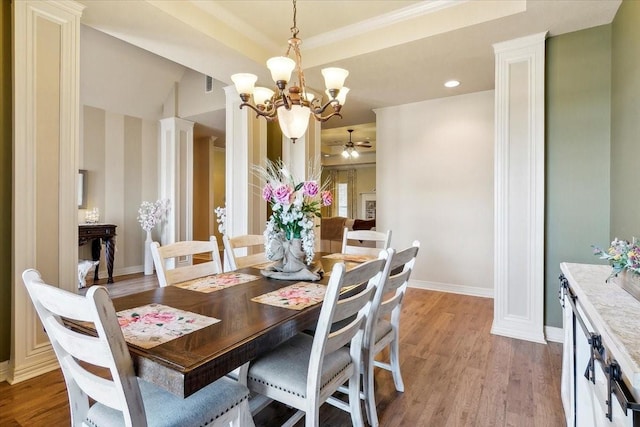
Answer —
332 228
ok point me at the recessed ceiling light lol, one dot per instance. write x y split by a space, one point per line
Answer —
452 83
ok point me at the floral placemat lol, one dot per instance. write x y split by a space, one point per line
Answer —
350 257
216 282
155 324
297 296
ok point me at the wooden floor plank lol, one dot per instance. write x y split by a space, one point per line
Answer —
456 373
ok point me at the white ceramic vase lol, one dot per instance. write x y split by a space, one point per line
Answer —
148 258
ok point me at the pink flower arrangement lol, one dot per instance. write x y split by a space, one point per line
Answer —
294 204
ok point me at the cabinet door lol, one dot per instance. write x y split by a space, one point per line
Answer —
591 398
568 375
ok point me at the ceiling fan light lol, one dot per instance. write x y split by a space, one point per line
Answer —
355 154
334 77
345 154
244 82
294 122
261 95
281 68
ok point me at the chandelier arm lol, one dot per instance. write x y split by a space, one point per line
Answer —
320 109
323 119
269 114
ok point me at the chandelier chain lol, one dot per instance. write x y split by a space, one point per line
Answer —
294 29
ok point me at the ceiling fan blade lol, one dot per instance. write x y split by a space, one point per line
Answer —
362 144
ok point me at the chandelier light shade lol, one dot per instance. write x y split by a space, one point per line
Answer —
291 104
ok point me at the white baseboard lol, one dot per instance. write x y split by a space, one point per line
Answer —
511 330
124 271
453 289
4 370
554 334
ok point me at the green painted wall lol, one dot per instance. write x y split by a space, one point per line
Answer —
578 82
625 122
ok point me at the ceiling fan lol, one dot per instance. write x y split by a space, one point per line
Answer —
350 147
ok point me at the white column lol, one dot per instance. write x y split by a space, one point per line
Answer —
246 146
519 189
303 158
46 37
176 179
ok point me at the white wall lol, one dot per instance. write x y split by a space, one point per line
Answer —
435 184
117 76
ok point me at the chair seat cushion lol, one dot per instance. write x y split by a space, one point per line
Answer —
383 328
164 409
286 367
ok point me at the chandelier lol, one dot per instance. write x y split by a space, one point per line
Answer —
291 106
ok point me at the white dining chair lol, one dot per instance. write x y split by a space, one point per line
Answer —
365 242
121 398
383 324
305 371
253 243
188 248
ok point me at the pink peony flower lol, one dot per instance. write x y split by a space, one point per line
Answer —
327 198
267 192
155 318
292 293
310 188
283 194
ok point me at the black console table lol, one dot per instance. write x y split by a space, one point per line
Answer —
95 233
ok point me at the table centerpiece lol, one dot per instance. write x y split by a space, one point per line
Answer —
289 234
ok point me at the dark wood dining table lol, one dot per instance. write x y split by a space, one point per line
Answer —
246 330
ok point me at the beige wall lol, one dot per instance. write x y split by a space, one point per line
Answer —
435 184
366 183
120 154
5 179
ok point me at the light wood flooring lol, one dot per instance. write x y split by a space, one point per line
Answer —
455 373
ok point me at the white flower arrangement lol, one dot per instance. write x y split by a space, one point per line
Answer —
221 215
151 214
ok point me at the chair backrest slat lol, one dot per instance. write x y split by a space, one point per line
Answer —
99 389
84 347
365 242
392 298
254 245
171 276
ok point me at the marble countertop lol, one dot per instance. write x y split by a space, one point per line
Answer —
612 311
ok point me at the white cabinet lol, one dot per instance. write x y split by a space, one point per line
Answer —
593 349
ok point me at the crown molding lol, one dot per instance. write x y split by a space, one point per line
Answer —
379 22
